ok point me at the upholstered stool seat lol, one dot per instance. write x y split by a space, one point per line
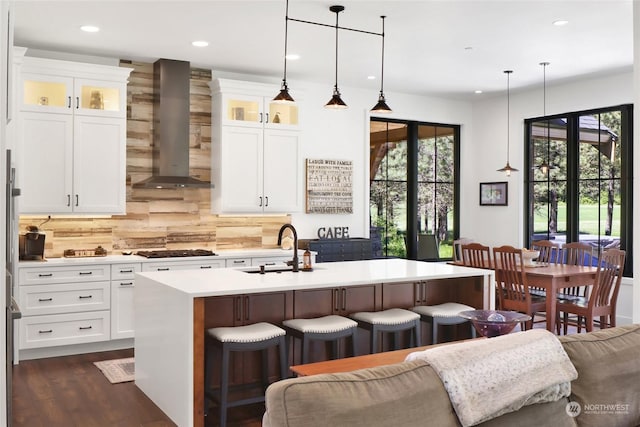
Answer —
392 320
327 328
443 314
258 336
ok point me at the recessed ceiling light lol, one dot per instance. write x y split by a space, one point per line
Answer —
293 56
477 91
90 28
371 77
200 43
560 22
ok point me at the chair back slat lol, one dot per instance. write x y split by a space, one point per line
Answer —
476 255
549 251
577 253
608 279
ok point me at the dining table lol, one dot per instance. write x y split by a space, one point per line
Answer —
554 277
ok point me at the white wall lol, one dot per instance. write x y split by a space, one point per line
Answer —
344 135
487 151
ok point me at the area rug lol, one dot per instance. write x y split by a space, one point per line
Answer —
117 370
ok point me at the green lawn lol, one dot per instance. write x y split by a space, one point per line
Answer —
588 219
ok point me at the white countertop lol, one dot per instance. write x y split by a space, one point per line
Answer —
231 281
113 259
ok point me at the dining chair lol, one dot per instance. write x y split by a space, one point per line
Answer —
601 301
574 253
457 248
476 255
549 251
512 285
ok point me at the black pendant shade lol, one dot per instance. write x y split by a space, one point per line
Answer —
336 101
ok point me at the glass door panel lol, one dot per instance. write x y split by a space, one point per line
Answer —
244 110
100 98
283 113
45 94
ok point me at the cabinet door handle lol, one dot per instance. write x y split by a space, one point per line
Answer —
85 273
85 296
260 117
69 104
266 201
267 121
204 267
260 205
77 200
84 328
126 271
68 199
44 299
45 275
336 298
48 331
162 269
77 102
246 308
344 299
126 283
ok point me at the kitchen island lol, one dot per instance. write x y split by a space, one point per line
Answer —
174 308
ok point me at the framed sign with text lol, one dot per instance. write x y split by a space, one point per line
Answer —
329 186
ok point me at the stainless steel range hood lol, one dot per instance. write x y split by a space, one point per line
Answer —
171 127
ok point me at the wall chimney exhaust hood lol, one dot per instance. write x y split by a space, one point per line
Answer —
171 127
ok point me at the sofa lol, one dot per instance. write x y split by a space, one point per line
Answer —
605 393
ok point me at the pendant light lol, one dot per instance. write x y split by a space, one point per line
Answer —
336 102
381 106
283 96
507 168
545 167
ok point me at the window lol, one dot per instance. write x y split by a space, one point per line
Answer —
579 185
414 177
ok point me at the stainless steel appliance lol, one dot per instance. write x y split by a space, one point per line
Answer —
12 309
31 245
174 253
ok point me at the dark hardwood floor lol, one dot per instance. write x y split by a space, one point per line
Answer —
70 391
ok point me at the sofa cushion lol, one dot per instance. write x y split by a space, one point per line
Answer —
608 384
552 414
402 394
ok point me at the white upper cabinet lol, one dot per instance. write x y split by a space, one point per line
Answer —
256 164
72 128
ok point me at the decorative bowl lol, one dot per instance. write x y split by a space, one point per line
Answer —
492 323
529 255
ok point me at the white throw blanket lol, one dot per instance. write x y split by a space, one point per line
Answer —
490 377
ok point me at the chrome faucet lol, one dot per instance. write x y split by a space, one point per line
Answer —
294 262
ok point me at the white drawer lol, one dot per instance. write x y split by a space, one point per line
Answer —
270 261
125 271
238 262
64 298
182 265
64 329
65 274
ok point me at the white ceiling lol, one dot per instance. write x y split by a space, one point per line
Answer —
444 48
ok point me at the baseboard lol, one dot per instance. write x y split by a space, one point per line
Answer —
68 350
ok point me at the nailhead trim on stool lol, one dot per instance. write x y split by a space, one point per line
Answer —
327 328
259 336
443 314
391 320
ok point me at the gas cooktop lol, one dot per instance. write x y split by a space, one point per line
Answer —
175 253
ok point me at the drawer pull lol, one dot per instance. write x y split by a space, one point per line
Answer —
84 328
238 261
46 332
126 283
163 269
85 296
85 273
269 263
126 271
44 299
205 266
45 275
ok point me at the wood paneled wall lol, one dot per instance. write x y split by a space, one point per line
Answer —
161 218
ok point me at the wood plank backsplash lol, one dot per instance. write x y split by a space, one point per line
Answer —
160 218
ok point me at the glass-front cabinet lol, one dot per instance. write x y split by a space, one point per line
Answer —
49 91
258 111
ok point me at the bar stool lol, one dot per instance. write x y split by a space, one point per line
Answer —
258 336
443 314
327 328
392 320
